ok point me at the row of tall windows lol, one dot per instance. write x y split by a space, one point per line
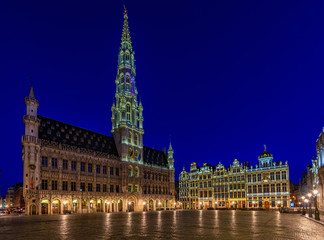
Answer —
73 166
130 135
273 176
156 176
155 190
266 188
73 185
237 194
204 194
235 178
133 173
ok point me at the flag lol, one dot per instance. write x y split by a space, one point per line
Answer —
31 183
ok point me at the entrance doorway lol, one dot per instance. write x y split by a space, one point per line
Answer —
131 207
56 207
44 207
33 210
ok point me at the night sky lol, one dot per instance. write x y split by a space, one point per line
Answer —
223 78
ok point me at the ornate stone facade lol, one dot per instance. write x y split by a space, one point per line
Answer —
68 169
239 186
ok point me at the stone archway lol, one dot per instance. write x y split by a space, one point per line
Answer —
151 207
131 204
120 206
32 210
44 206
75 206
99 205
56 206
66 207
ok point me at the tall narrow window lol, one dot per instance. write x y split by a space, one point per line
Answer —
128 114
136 139
127 56
129 137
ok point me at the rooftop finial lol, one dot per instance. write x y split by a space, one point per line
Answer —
265 147
125 12
31 91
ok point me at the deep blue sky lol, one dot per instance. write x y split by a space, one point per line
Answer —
222 77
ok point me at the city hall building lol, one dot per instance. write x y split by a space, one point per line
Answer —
239 186
68 169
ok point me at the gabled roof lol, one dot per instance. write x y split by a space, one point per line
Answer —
155 157
63 133
59 132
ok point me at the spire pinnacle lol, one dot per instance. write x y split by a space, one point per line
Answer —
126 39
31 91
170 146
184 169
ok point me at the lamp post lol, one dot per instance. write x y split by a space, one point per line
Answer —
303 212
317 217
310 204
306 201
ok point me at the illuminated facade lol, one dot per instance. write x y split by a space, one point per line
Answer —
238 186
318 171
71 169
268 185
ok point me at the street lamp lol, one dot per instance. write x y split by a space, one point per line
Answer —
306 201
317 217
303 212
310 205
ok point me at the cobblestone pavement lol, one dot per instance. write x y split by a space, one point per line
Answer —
209 224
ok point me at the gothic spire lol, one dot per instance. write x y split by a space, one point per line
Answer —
126 39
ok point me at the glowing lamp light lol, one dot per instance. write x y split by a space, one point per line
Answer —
315 192
303 197
64 203
309 194
129 203
306 200
108 203
159 203
144 203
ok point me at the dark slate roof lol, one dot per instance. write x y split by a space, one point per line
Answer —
63 133
154 157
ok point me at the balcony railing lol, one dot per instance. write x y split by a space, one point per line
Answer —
26 138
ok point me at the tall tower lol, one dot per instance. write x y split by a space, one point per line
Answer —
127 118
31 145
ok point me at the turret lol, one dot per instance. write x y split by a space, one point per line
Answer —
31 144
170 157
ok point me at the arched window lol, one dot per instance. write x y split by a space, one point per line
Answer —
129 137
127 56
121 56
128 110
122 78
130 153
136 172
136 139
130 171
136 155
